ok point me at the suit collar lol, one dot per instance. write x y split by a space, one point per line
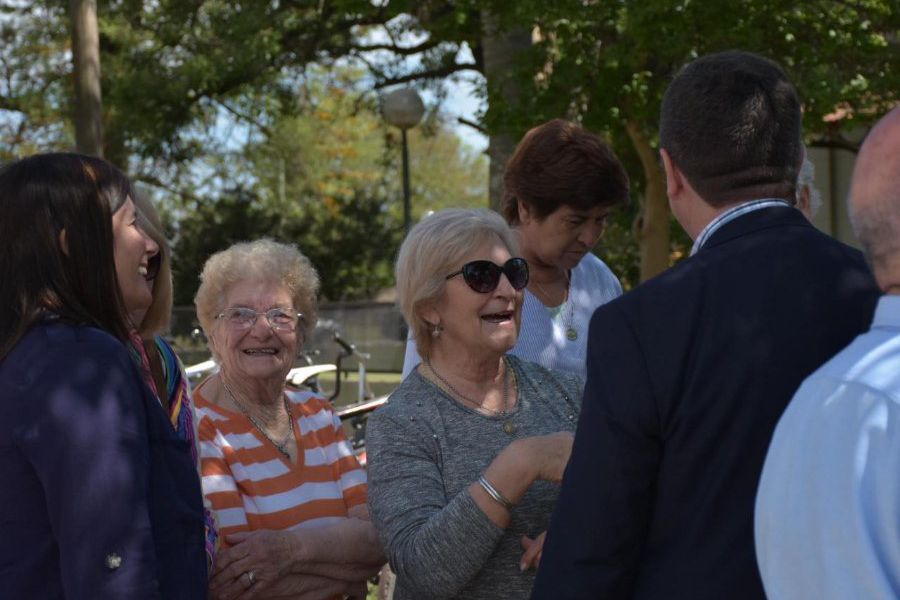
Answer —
775 216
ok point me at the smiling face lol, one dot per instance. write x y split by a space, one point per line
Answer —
260 352
132 250
475 324
563 237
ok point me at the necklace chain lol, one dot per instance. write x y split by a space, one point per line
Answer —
281 446
480 406
568 329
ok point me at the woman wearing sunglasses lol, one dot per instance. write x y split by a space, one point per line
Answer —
101 499
559 187
288 495
465 457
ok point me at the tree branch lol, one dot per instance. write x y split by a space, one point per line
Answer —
244 117
472 124
393 47
153 180
430 74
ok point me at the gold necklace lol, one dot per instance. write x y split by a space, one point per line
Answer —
509 427
283 444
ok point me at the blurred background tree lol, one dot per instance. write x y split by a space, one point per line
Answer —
223 104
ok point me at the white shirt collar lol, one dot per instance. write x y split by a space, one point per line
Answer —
887 312
731 214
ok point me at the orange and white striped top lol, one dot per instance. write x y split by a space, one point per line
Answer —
251 485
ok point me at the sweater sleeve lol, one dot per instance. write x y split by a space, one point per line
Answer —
87 441
435 544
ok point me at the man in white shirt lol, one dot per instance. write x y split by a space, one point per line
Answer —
828 506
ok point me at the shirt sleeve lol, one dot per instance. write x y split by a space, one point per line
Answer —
352 475
601 519
827 504
219 487
435 545
88 443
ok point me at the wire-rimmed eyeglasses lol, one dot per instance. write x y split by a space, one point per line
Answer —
241 317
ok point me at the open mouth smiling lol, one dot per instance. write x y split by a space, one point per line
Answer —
260 351
498 317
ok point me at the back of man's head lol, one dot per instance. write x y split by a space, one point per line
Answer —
875 199
731 124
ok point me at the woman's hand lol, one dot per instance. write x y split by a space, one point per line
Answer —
265 554
533 550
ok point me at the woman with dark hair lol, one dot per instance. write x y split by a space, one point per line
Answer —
162 369
101 498
559 187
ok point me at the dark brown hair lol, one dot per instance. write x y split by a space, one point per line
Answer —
559 163
731 123
41 196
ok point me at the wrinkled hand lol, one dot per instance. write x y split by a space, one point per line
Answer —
533 548
553 455
266 553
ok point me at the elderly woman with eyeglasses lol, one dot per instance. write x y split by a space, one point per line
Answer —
465 458
288 495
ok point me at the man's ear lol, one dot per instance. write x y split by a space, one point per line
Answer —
64 241
674 176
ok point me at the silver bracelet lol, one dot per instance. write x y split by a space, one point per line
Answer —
493 493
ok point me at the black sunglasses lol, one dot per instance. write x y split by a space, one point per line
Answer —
483 276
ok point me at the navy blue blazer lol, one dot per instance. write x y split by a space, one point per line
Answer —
98 497
687 376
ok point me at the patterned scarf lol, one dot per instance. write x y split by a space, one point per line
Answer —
177 404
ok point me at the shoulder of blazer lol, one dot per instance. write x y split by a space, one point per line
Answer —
756 221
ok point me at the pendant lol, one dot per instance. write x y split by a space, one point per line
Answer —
510 427
571 334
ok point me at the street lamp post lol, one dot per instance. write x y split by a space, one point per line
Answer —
404 109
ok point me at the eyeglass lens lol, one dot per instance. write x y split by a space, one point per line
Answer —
246 317
483 276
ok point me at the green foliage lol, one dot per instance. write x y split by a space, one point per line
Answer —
326 177
207 96
608 63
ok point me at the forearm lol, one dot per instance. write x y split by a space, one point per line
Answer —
511 474
349 550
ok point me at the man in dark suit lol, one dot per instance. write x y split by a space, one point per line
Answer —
689 373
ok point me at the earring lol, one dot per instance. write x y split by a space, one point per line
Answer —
436 331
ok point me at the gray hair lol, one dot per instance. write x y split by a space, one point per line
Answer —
434 248
876 227
806 178
262 260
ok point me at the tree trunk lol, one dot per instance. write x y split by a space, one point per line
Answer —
86 59
652 225
500 50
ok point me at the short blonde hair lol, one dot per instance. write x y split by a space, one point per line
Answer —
432 250
159 315
262 260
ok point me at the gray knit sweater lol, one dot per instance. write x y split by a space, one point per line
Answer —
424 449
